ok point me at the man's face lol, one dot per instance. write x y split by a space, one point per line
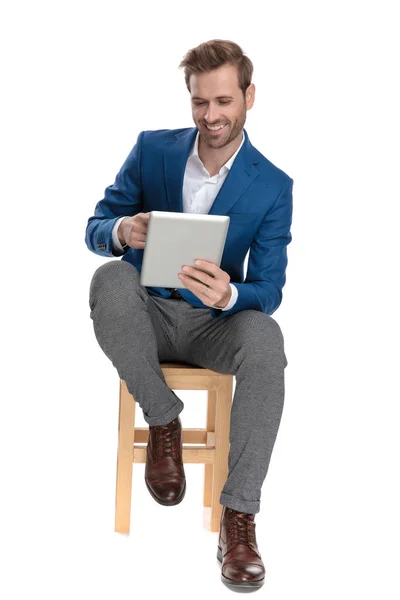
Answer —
218 100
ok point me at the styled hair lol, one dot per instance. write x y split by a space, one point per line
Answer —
212 55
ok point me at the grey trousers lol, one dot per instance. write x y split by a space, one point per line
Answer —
137 331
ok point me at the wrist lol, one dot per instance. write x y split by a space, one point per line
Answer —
225 301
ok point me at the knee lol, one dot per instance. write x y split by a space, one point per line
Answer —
111 280
264 338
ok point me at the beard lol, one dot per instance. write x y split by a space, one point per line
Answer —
231 131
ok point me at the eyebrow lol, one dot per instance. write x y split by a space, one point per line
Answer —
218 98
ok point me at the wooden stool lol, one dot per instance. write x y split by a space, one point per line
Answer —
215 438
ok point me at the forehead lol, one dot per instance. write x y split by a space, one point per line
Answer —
218 82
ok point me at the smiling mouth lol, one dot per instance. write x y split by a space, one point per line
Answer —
215 129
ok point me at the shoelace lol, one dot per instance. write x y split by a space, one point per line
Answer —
166 440
242 528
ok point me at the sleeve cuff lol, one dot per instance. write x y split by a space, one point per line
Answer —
115 241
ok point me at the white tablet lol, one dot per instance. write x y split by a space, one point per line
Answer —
175 239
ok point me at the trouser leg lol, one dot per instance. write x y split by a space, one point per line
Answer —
256 413
250 345
124 318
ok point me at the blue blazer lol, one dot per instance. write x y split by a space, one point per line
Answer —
256 195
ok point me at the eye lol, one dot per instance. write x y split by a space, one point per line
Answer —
220 102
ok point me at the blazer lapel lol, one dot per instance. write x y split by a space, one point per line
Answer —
240 176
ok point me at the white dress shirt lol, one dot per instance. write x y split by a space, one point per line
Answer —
198 194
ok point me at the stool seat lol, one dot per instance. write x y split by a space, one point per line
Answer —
208 445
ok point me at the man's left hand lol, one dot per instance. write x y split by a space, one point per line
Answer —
208 274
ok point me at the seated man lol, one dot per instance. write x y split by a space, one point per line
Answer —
216 320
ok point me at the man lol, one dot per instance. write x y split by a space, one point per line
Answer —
216 320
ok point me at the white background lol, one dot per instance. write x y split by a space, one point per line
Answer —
80 80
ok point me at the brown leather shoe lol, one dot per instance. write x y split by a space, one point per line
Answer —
164 473
237 550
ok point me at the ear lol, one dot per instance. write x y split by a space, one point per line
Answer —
250 94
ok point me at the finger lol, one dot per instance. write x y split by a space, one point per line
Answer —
195 285
140 227
144 218
198 289
208 266
198 274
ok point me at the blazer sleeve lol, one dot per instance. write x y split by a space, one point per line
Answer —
121 199
266 271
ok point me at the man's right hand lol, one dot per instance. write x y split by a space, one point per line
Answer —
133 230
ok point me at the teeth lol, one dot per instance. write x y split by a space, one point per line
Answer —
215 128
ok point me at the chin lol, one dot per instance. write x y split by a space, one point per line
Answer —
219 141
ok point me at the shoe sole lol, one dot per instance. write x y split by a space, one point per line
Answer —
233 583
177 500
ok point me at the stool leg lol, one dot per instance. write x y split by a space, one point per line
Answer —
222 428
210 426
126 433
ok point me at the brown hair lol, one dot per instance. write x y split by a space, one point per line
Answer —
212 55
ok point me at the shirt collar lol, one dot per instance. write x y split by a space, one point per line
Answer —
195 152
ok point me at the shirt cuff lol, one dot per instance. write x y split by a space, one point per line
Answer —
233 299
116 243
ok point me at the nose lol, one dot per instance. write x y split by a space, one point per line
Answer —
212 114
